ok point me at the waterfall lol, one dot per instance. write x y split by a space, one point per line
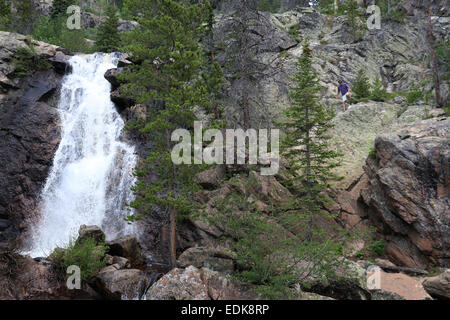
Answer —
89 182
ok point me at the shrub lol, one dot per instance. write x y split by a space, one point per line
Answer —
447 109
396 13
379 93
271 251
401 111
373 153
414 95
377 247
361 87
26 61
88 255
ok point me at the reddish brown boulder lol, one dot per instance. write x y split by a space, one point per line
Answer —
408 192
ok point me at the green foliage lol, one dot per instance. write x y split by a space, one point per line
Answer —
377 247
355 18
360 254
443 55
361 87
108 38
55 31
306 125
327 7
415 94
270 248
5 15
401 111
373 153
392 10
168 81
447 109
59 7
379 93
269 5
23 18
427 115
26 61
88 255
294 31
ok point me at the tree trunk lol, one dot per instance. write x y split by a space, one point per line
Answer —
308 180
244 69
173 247
437 83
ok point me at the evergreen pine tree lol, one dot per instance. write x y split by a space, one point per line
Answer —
361 86
5 15
305 146
167 81
23 17
354 16
108 37
59 7
379 93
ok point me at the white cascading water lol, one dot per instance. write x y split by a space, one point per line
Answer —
91 176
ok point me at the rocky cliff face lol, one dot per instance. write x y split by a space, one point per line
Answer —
29 129
396 53
407 193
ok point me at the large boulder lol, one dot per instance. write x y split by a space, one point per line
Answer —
94 232
127 247
198 284
124 284
210 179
439 286
407 192
396 286
349 283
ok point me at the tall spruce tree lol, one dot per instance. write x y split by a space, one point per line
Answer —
167 81
108 37
306 143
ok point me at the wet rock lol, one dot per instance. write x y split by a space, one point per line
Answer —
217 259
122 102
127 247
94 232
439 286
29 131
198 284
111 76
120 284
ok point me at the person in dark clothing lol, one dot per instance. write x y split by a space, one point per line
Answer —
344 90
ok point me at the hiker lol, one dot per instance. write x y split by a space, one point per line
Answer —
345 92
